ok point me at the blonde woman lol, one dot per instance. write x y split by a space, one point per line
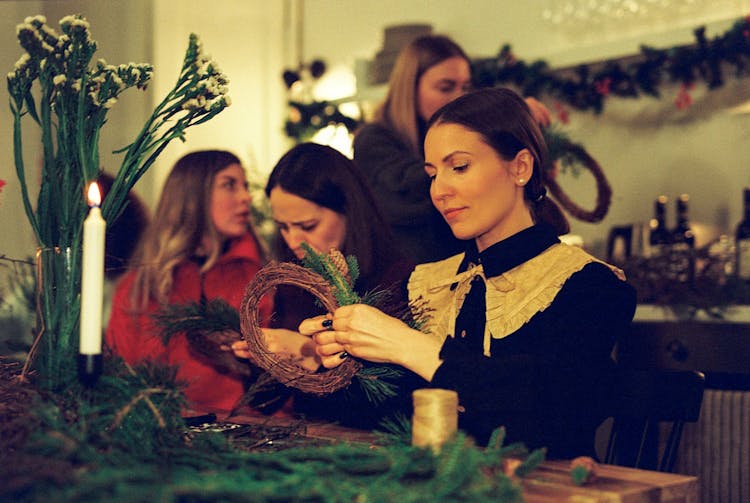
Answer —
199 246
429 72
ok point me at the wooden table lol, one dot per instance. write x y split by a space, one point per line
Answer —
551 481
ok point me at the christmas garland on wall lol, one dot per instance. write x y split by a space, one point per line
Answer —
587 90
706 60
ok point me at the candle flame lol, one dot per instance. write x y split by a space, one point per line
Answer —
95 197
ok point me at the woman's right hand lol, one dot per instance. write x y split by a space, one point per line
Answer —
366 332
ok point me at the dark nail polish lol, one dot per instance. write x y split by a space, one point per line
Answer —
327 323
343 355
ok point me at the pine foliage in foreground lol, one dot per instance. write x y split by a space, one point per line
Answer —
126 449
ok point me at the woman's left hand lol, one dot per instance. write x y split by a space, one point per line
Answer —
285 343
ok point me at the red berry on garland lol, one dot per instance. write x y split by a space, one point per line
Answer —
683 99
602 86
562 113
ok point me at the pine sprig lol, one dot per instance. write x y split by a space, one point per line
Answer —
531 462
212 316
341 285
396 429
374 381
558 142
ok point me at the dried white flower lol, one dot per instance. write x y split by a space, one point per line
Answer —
38 19
22 62
191 104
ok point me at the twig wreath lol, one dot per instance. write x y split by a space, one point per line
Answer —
286 370
568 153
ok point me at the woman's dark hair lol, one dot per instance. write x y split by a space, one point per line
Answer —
123 234
329 179
504 121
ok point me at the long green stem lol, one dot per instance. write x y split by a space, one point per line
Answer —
21 172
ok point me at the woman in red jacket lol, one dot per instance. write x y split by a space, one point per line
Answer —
199 246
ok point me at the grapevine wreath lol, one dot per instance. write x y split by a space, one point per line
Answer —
331 293
569 154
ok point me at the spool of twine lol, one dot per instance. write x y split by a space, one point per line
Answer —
435 417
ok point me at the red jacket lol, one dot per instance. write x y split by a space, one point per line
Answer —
135 337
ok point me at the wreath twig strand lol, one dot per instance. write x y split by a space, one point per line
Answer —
286 370
603 189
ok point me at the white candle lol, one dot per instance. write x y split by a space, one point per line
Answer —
92 276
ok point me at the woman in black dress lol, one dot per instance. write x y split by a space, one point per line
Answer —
522 325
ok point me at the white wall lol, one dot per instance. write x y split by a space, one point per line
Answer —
246 38
17 241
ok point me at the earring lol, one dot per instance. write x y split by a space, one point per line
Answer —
522 181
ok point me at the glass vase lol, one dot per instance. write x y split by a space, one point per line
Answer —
53 355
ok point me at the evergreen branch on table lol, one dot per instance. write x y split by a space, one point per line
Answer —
139 461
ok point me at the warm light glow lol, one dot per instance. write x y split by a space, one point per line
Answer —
338 82
336 136
95 197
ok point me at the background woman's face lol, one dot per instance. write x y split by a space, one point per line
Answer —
302 221
230 202
441 84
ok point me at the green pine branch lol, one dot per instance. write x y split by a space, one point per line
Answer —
215 315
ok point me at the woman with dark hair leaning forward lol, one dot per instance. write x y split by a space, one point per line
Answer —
320 198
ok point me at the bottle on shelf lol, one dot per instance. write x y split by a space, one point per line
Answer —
659 237
742 239
683 242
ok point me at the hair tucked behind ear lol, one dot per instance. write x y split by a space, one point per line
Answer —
505 122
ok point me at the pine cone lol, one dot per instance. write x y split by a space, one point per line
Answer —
339 261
